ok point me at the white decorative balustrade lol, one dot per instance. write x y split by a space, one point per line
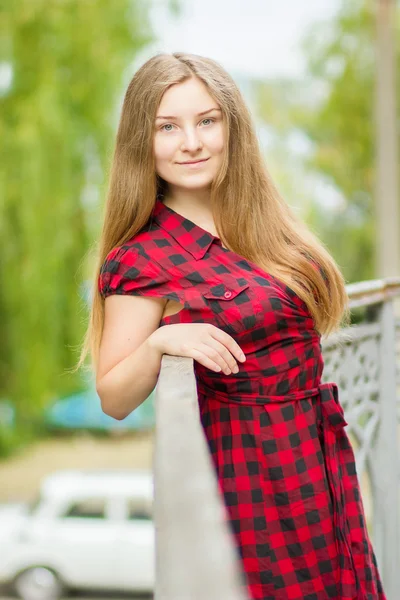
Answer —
365 361
194 552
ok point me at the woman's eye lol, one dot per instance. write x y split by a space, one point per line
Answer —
162 128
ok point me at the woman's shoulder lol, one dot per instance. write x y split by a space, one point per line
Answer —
131 267
138 245
152 244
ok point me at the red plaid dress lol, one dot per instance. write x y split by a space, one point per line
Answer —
275 432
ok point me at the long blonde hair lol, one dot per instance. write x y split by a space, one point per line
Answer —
250 216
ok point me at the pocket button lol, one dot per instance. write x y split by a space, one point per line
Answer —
227 294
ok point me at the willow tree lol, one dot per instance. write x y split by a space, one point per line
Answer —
61 79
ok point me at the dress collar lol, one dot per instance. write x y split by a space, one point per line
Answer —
191 237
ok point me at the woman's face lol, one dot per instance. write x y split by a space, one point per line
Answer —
183 133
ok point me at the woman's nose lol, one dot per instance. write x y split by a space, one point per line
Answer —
191 141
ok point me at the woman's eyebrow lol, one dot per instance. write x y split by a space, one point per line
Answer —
198 115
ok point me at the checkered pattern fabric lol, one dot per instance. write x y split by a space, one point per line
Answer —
276 434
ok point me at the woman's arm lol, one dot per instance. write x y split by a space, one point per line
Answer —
129 365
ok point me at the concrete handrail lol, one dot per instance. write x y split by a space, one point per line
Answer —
376 291
195 555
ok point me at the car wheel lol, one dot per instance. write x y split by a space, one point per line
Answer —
38 583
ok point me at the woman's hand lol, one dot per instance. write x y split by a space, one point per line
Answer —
205 343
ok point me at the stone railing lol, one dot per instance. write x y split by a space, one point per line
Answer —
195 555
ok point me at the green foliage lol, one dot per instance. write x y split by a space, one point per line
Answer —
66 62
342 58
334 108
343 127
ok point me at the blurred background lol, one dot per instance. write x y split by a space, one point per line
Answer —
310 74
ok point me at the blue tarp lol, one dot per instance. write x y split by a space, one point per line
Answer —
83 411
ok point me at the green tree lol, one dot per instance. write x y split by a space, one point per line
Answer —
341 58
334 108
63 66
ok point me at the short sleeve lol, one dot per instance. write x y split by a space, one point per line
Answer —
127 271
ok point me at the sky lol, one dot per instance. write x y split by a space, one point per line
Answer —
258 38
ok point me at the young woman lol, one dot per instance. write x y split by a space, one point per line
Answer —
200 257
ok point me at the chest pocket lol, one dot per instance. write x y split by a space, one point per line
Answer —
234 308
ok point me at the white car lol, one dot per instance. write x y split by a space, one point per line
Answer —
88 530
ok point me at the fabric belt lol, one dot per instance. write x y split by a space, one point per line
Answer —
331 423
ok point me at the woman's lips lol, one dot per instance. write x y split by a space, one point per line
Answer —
194 164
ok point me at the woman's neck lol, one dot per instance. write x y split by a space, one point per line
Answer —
192 208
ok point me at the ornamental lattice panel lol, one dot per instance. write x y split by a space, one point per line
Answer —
352 361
